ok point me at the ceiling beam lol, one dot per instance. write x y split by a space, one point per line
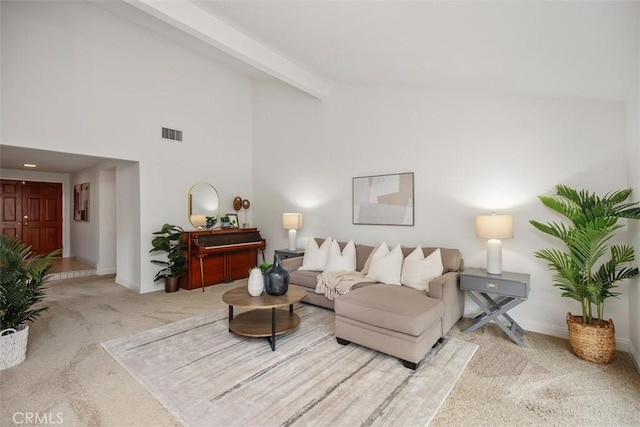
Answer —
191 19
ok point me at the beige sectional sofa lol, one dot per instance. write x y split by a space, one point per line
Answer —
397 320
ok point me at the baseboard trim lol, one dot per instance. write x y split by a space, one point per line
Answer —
634 356
129 285
105 271
555 331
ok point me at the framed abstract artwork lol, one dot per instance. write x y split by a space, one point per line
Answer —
383 199
81 202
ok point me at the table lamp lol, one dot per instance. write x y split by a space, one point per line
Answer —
292 222
494 227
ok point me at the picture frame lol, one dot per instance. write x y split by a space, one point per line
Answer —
234 220
383 199
81 202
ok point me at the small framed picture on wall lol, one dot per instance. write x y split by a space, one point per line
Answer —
81 202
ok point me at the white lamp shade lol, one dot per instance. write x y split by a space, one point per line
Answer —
494 226
292 221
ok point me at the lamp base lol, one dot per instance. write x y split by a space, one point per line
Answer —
494 256
292 240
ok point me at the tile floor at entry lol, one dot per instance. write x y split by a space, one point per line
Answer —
66 268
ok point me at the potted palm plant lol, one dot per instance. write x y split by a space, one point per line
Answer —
22 279
589 268
169 240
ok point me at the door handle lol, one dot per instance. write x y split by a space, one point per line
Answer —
26 217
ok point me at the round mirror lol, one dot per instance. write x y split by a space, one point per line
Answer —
202 205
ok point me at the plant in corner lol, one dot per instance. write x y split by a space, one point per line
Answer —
169 240
22 278
581 270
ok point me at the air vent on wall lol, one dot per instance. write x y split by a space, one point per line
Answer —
172 134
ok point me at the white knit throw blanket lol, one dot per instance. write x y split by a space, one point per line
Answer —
335 283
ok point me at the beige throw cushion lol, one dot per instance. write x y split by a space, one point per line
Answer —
341 261
386 266
418 271
367 263
315 258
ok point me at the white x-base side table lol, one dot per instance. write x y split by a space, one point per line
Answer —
512 287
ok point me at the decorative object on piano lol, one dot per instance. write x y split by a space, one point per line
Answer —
169 240
233 219
225 222
292 222
202 203
255 284
277 279
237 203
245 205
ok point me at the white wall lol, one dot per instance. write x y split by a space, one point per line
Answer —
67 196
94 242
633 132
76 78
107 233
634 226
86 234
471 153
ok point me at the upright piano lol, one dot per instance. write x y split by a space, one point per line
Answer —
217 256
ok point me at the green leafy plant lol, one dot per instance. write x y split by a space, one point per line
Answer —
225 219
210 221
22 278
169 240
264 267
580 270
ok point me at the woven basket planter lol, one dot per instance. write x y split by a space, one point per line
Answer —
594 343
13 346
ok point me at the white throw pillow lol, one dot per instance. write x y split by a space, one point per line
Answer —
315 258
418 271
341 261
386 266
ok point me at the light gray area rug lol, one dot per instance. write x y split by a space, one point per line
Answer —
206 376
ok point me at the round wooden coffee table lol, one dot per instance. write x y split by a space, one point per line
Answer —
260 321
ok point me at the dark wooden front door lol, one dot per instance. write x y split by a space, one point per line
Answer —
32 211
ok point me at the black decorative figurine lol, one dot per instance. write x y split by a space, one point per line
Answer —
276 279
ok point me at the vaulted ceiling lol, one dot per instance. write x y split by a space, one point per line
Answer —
574 49
578 49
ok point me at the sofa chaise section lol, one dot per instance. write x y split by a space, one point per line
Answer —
396 320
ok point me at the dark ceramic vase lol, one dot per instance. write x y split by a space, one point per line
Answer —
276 279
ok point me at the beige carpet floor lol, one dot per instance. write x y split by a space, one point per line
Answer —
68 374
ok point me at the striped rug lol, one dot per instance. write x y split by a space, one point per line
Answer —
206 376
